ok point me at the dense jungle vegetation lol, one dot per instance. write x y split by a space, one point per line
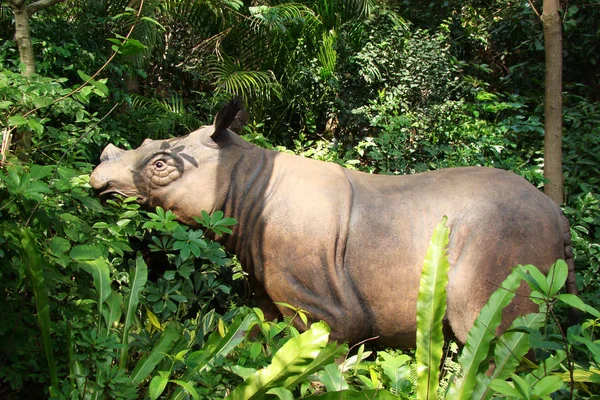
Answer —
117 302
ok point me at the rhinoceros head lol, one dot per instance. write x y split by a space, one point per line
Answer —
185 175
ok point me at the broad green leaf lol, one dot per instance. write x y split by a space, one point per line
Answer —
576 302
521 386
508 353
592 346
243 372
281 393
157 386
40 171
391 365
100 272
59 245
255 350
332 377
111 311
138 278
34 270
188 387
431 308
557 276
480 336
503 387
35 126
84 252
291 360
547 385
79 372
16 120
546 367
153 21
146 365
326 356
535 278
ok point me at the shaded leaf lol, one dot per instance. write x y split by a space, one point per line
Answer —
139 275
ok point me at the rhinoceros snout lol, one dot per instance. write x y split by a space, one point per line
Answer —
98 181
111 176
105 180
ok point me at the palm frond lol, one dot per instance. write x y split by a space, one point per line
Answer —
278 18
169 116
327 55
231 78
359 8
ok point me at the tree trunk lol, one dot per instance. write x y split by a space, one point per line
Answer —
553 104
23 36
23 12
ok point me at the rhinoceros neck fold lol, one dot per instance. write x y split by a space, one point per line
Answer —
245 201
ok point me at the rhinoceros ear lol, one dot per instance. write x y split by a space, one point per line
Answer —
111 152
225 117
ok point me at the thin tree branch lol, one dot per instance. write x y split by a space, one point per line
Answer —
535 9
40 5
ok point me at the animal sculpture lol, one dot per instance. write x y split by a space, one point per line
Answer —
347 246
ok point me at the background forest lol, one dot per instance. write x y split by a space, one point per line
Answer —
116 302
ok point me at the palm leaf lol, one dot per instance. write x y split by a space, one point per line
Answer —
231 78
167 115
327 55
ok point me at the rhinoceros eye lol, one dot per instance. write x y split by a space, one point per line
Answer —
163 170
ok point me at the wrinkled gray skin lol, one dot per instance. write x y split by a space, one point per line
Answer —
344 245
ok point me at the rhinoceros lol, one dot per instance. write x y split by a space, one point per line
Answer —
344 245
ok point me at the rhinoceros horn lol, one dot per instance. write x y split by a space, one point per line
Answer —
111 153
225 118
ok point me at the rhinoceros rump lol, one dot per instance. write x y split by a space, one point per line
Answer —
344 245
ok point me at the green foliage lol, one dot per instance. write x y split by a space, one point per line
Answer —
293 358
431 308
35 274
394 88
